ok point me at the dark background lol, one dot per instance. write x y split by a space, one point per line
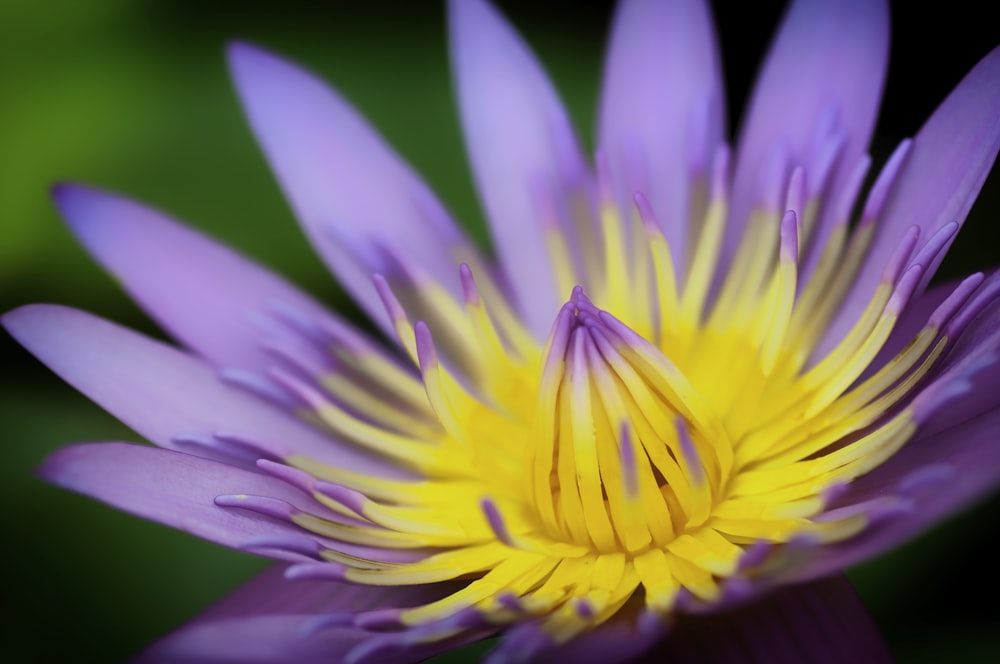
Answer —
134 96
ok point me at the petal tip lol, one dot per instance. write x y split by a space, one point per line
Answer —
66 194
20 322
63 189
89 212
239 51
474 21
63 466
461 10
248 61
53 466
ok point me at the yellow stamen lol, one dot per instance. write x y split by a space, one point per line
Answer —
654 437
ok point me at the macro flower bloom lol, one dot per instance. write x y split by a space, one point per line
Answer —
691 381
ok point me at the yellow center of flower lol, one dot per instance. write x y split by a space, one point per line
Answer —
644 448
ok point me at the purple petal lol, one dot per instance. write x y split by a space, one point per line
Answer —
350 191
518 136
266 593
266 639
946 168
271 593
286 612
620 639
823 622
287 638
662 105
208 296
163 393
175 489
826 66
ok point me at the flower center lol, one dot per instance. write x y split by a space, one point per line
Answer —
626 454
644 450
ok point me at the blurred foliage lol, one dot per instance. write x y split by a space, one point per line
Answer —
134 96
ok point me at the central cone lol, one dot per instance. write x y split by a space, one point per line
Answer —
626 455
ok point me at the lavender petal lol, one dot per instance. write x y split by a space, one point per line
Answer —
826 65
264 639
347 187
662 107
823 621
301 621
175 489
208 296
948 163
271 593
623 638
518 134
163 393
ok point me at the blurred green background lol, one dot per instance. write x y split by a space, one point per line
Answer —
134 96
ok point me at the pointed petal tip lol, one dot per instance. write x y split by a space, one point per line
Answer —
11 320
240 53
992 59
462 11
62 189
69 467
249 62
57 465
236 47
22 321
64 194
82 206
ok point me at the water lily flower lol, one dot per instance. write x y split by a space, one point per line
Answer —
691 387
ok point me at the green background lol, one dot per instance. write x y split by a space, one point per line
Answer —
134 96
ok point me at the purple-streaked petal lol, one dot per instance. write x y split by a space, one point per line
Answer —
163 393
823 622
519 138
351 192
662 107
948 163
822 76
208 296
175 489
